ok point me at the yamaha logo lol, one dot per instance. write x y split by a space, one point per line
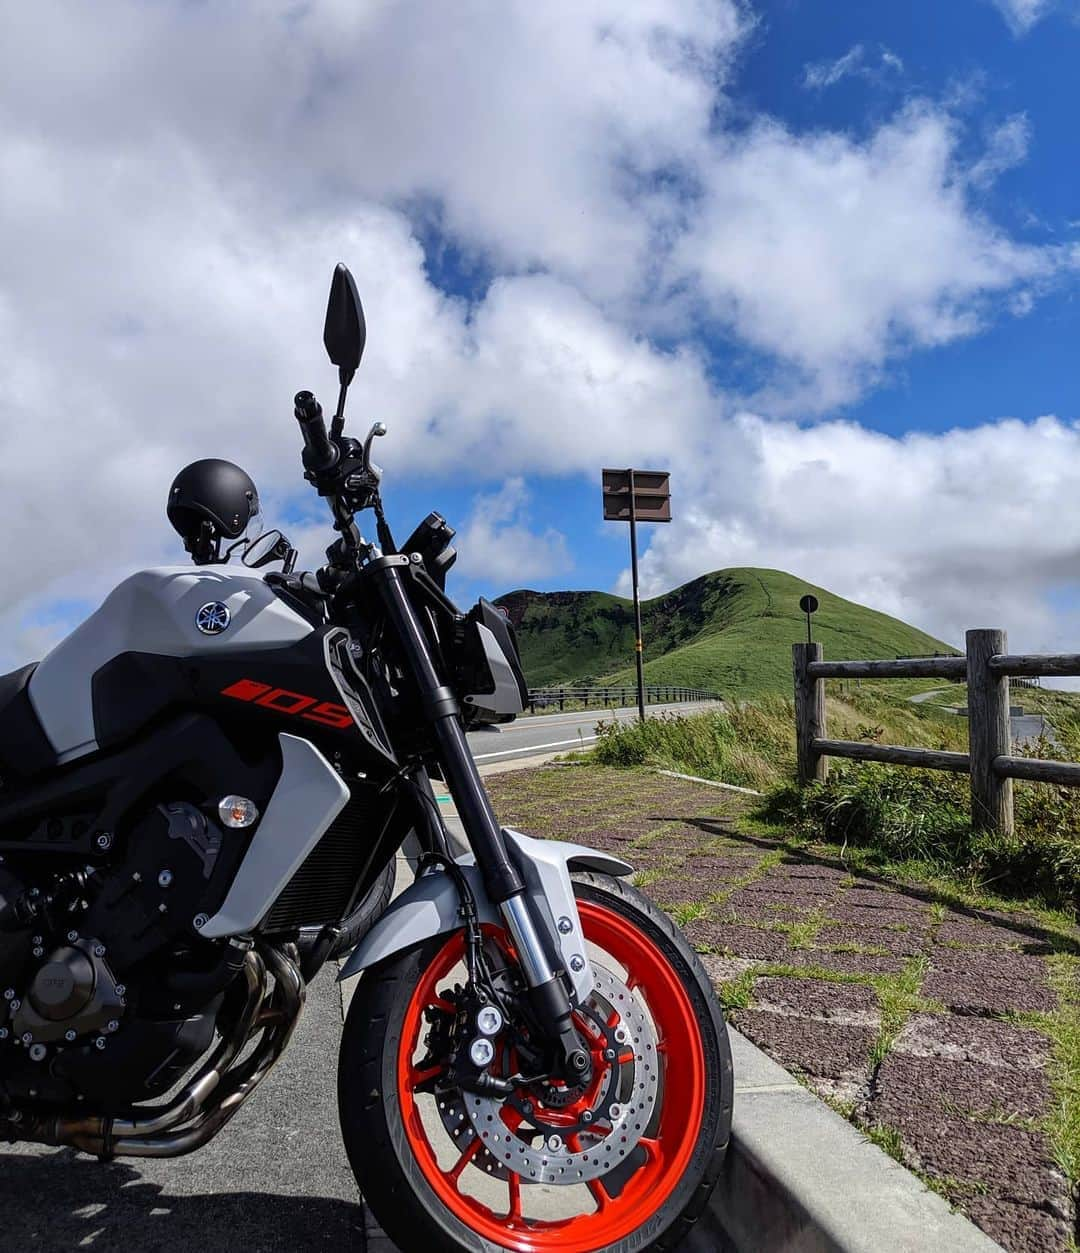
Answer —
213 618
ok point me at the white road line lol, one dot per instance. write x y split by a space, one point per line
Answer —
533 748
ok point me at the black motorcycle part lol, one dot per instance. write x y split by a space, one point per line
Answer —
63 833
485 614
442 710
290 589
344 331
348 859
320 454
13 912
141 1061
278 689
149 900
25 749
183 988
15 939
431 540
191 747
133 689
472 673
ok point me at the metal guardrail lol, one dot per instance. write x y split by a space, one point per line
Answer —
598 697
985 668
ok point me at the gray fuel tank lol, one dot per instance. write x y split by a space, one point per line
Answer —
155 611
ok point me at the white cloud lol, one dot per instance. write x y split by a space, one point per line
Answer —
530 131
1006 148
1022 15
836 255
977 527
818 75
181 178
497 545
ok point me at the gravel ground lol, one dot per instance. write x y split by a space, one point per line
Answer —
923 1021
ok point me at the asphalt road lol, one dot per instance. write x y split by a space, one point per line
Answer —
1025 728
557 733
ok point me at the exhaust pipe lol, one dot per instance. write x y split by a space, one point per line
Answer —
220 1088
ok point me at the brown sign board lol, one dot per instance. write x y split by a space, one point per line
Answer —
652 495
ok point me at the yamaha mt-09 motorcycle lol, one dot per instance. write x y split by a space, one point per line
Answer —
198 786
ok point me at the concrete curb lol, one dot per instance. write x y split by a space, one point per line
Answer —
798 1177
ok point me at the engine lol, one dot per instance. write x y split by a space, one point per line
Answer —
107 994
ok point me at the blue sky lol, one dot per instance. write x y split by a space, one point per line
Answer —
963 51
818 259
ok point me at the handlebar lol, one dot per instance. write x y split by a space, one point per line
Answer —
320 453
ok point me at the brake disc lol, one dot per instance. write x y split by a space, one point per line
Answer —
618 1124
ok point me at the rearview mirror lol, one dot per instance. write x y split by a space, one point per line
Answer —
270 546
345 332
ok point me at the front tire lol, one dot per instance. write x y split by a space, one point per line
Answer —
367 912
421 1189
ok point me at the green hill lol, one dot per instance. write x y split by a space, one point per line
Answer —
730 631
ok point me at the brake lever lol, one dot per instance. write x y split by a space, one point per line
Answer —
377 429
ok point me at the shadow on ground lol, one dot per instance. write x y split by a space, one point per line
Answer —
1029 936
64 1200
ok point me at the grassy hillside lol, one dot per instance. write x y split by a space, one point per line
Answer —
730 631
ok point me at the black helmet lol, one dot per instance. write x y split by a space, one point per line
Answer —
209 501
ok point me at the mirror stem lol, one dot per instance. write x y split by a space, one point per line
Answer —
338 424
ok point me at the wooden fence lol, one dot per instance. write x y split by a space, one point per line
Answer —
989 761
613 697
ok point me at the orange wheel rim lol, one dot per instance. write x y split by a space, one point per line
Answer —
668 1147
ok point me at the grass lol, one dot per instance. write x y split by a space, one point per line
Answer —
1063 1028
888 1139
898 994
898 998
684 914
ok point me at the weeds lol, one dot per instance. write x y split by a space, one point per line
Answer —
887 1139
749 745
898 998
922 816
684 914
1063 1027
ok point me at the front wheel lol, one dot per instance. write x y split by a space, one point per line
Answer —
625 1162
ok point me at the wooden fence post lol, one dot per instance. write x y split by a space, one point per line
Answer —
809 715
989 733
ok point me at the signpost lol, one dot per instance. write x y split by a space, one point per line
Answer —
809 605
637 496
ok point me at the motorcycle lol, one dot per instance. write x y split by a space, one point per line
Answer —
197 787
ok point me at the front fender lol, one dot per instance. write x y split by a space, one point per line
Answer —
431 906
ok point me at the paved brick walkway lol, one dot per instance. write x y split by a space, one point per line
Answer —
923 1021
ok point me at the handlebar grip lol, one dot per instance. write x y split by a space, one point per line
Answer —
319 452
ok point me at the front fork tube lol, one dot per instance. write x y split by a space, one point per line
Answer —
547 990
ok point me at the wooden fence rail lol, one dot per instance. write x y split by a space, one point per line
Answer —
613 697
986 667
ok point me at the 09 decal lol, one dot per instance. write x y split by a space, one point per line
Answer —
280 700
